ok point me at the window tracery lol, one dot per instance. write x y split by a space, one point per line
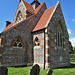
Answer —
17 44
36 42
59 35
19 17
0 41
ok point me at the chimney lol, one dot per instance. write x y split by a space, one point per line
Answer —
7 23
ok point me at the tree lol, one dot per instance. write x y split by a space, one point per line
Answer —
74 49
70 48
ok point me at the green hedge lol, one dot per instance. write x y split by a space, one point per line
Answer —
72 57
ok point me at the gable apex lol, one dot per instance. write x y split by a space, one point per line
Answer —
44 19
41 25
21 8
25 8
53 13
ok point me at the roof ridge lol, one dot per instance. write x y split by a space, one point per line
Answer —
12 25
38 8
44 19
27 7
53 12
49 11
50 7
26 2
8 27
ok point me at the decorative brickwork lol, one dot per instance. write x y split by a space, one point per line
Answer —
59 56
46 50
39 50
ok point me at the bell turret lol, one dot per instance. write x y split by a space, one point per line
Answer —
35 4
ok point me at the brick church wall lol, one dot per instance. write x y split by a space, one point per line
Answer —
46 54
1 48
39 51
16 56
58 56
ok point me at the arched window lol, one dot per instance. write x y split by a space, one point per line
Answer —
36 42
59 35
0 41
19 17
17 44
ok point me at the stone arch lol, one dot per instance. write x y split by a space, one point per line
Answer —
59 34
0 41
37 40
19 16
16 39
59 21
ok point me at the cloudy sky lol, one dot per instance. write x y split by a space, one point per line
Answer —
8 8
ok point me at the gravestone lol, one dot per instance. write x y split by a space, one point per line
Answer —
49 72
3 70
35 70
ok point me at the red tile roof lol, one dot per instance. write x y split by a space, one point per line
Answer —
38 8
8 27
44 19
29 7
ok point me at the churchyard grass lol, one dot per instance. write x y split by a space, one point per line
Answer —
65 71
18 70
25 70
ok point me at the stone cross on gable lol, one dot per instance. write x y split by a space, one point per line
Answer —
21 0
35 0
58 1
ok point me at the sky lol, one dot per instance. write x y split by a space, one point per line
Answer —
8 9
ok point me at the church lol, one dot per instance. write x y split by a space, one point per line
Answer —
37 35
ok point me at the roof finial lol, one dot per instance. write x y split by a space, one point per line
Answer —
21 0
35 0
58 0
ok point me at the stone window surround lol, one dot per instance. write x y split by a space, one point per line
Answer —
39 42
19 17
61 32
18 43
36 42
1 42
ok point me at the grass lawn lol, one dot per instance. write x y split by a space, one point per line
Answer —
25 70
65 71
